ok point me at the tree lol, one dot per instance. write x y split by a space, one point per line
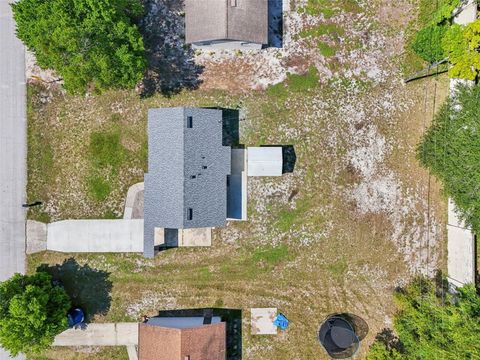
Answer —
450 149
90 43
432 323
428 43
32 312
462 45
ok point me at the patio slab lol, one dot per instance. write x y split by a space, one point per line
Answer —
195 237
262 321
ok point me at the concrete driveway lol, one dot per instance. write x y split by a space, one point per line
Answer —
12 149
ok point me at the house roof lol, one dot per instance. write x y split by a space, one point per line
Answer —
242 20
185 186
164 343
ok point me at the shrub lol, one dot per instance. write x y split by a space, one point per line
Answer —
380 351
89 43
450 149
462 46
428 43
431 323
32 312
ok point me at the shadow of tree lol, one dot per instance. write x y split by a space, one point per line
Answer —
171 65
89 289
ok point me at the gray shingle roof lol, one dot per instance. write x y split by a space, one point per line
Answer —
187 169
209 20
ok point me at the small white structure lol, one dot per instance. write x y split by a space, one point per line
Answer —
262 321
265 161
461 250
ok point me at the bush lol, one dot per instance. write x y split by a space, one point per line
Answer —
428 43
431 323
450 149
461 44
380 351
435 18
32 312
89 43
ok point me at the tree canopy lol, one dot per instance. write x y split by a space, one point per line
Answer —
32 312
431 323
428 43
450 149
462 45
90 43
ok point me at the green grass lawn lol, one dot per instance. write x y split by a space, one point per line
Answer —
307 248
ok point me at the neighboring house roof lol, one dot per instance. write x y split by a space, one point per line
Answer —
241 20
157 342
186 184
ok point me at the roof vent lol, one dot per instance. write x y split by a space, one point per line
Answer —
233 3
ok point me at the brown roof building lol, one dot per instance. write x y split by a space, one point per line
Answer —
234 24
182 338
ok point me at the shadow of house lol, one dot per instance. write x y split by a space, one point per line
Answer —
289 157
170 64
275 23
232 318
230 127
88 288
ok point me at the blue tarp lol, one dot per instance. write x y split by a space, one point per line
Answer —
281 321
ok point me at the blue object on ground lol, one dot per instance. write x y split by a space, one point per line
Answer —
281 321
75 317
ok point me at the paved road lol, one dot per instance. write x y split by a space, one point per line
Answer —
12 149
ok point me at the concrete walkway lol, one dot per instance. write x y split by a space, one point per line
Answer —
12 150
461 250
